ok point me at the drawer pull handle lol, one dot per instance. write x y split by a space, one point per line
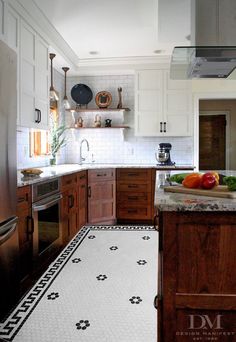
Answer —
133 174
157 301
132 197
29 227
82 177
101 174
132 211
21 199
83 186
132 186
164 127
161 127
71 201
89 191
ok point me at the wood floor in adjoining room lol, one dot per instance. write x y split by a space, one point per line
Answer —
101 288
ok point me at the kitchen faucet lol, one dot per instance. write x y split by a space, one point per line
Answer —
81 158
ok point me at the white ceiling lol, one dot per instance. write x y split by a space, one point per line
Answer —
124 28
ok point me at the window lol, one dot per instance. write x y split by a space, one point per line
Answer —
39 143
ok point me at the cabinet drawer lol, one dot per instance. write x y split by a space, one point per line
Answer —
82 177
68 181
23 195
136 198
142 213
132 186
101 175
134 174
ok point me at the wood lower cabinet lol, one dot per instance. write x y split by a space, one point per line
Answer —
82 200
101 196
74 203
69 207
135 195
25 231
198 276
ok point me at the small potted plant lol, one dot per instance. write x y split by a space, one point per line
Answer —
58 140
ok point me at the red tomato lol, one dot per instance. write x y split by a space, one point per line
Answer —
208 181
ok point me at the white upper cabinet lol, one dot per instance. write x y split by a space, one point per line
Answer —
162 106
34 108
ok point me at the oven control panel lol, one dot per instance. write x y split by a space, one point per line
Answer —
45 189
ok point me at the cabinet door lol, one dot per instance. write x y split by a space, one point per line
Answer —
177 107
72 206
101 202
27 43
148 102
82 199
34 79
41 82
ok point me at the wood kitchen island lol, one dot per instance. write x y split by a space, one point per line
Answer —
197 284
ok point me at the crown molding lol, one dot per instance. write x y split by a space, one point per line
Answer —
133 60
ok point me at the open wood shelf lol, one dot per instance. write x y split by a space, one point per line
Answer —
121 126
98 109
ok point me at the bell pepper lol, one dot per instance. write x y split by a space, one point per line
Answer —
192 181
217 177
208 180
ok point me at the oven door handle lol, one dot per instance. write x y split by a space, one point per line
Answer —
47 205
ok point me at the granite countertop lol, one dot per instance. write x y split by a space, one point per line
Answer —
63 169
167 201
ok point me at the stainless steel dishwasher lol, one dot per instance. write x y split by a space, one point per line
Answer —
9 256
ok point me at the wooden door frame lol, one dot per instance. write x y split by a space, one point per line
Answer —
227 130
218 95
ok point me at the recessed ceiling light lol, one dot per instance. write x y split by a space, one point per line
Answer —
93 52
158 51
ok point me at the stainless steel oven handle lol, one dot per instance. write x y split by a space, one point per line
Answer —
8 228
47 205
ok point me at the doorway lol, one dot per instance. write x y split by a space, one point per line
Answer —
213 140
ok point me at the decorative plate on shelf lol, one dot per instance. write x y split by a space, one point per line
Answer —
103 99
81 94
31 172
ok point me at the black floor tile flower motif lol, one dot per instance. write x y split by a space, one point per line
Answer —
146 237
76 260
141 262
113 248
101 277
53 295
91 237
83 324
135 300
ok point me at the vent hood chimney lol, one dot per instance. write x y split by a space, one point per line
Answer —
213 39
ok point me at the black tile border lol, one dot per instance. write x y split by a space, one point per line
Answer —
17 318
123 228
10 327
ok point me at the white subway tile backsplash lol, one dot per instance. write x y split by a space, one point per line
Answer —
107 146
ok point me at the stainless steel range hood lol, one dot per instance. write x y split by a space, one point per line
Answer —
214 52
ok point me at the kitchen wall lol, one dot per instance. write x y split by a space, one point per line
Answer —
111 145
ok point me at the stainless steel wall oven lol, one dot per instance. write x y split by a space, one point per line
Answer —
46 212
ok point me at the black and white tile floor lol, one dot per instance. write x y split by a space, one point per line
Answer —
100 289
